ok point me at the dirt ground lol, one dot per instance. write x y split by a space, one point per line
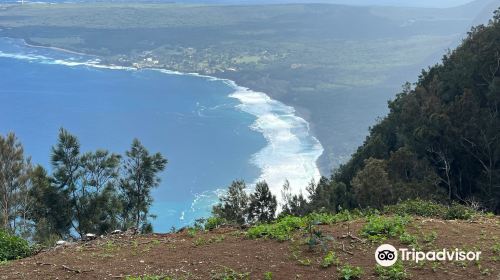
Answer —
206 255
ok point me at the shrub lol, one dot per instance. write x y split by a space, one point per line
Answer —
394 272
213 223
408 239
459 212
425 208
13 247
329 260
416 207
282 228
268 276
381 227
279 230
348 272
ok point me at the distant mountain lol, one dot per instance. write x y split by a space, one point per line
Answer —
398 3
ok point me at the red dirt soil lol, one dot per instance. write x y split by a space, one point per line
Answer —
207 254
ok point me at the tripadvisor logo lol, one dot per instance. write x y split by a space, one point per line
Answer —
387 255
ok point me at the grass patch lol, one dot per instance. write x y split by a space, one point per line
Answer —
330 259
408 239
348 272
379 228
230 274
425 208
283 228
394 272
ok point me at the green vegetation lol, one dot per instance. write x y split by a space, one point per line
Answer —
230 274
149 277
280 230
424 208
441 139
329 260
214 222
86 193
337 62
408 239
379 228
394 272
348 272
237 208
13 247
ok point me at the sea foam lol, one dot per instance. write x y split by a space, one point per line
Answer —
291 151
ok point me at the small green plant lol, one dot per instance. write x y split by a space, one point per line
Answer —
213 223
200 241
408 239
149 277
379 227
283 228
305 262
315 236
230 274
496 252
430 238
279 230
394 272
13 247
110 246
268 275
348 272
329 260
192 231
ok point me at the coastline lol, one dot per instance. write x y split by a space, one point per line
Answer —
274 120
32 45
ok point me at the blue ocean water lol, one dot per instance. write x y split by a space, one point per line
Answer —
211 130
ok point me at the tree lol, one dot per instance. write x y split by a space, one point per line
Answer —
49 209
295 205
67 174
14 180
233 205
372 186
262 206
88 182
140 177
100 204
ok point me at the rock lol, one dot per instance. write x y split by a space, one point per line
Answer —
116 231
62 243
89 236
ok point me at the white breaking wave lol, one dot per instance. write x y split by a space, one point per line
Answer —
291 152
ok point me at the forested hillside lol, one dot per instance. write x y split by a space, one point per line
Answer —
441 139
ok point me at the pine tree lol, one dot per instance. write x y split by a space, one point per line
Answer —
262 207
233 205
14 180
141 176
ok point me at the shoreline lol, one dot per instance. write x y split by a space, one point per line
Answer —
306 150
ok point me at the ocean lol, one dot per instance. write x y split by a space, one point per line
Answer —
211 130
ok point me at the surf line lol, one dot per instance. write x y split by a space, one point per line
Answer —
291 152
